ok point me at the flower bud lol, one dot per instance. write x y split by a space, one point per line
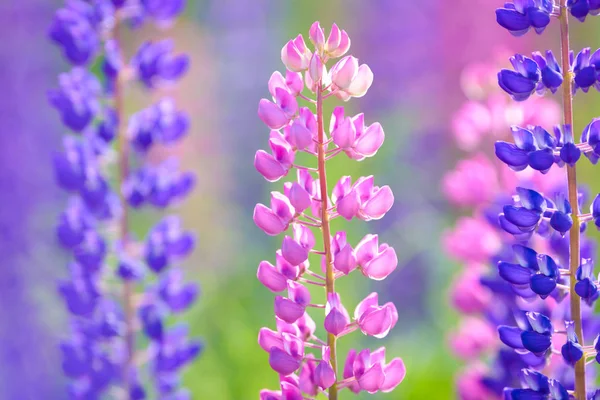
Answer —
295 55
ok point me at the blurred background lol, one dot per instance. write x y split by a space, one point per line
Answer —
417 50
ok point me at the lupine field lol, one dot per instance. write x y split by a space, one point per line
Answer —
299 200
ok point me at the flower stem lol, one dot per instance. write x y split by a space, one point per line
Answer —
329 277
574 233
123 174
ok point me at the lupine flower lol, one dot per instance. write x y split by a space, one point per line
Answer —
530 75
101 348
518 17
581 8
305 204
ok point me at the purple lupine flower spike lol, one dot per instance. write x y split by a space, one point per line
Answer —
305 208
545 326
102 351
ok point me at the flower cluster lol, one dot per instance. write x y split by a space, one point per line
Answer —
119 287
542 278
476 185
305 207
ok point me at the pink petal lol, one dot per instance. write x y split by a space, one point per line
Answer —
282 207
290 392
349 205
333 41
345 134
288 310
298 293
368 143
364 186
287 103
293 252
269 395
366 249
267 339
376 322
282 362
268 275
266 220
292 57
372 379
345 260
316 68
271 114
371 300
379 203
337 117
299 197
382 265
341 188
361 82
343 45
317 36
324 375
395 372
276 81
301 136
335 322
343 73
294 82
268 167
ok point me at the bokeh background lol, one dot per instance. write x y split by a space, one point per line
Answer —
417 51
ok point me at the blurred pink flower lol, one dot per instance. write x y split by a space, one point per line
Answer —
467 294
469 385
472 240
474 336
472 183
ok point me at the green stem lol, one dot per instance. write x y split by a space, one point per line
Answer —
329 276
574 233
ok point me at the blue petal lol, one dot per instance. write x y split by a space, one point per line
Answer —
561 222
510 336
536 342
516 85
570 154
595 209
547 266
551 78
539 322
585 288
509 226
571 352
514 273
542 284
538 18
536 380
511 20
523 138
526 394
521 217
541 160
532 200
526 257
511 155
557 391
586 77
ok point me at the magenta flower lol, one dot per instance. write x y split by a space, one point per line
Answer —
373 319
276 165
305 206
276 219
371 372
280 111
375 261
472 183
362 200
351 135
295 55
295 250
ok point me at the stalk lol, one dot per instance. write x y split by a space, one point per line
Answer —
574 234
329 276
122 175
